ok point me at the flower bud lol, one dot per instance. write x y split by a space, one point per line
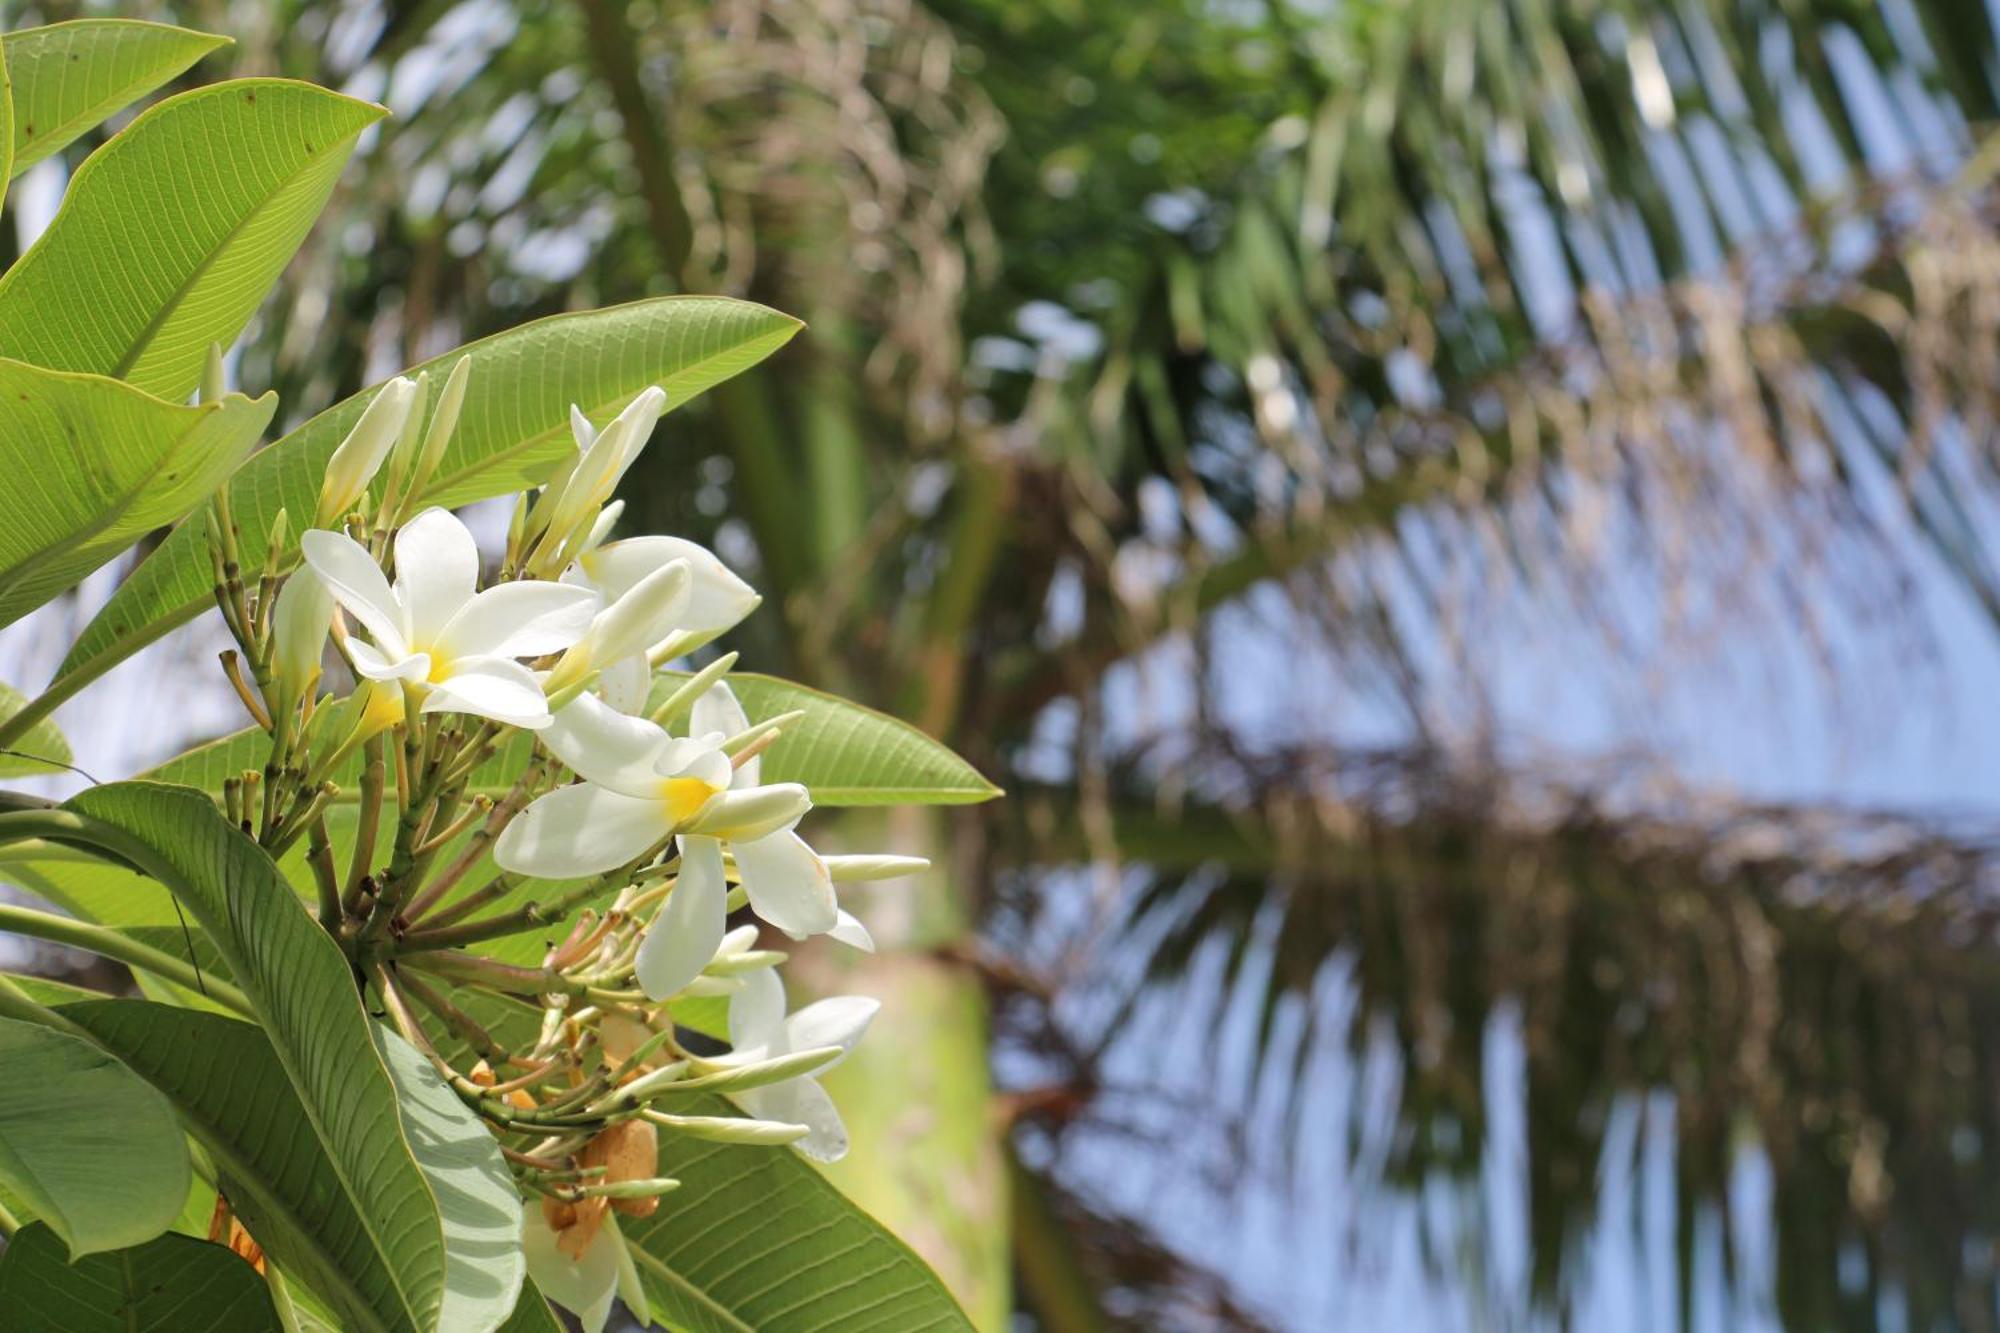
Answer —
752 812
359 457
719 599
299 624
849 869
646 612
213 386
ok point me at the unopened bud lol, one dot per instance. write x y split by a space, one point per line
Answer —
299 624
729 1129
623 629
359 457
212 383
854 869
752 812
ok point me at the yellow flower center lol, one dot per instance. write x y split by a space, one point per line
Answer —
684 796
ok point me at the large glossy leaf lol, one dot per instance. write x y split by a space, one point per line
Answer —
92 465
171 234
304 994
93 1150
515 423
476 1193
7 122
847 754
229 1086
851 755
42 749
69 76
168 1285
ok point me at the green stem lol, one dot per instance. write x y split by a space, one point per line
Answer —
111 944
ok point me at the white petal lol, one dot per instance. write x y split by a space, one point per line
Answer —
649 611
801 1101
580 428
694 757
838 1021
357 584
437 571
625 684
630 1289
757 1012
640 416
688 930
755 812
493 687
523 619
719 599
847 929
787 883
584 1286
606 746
718 710
372 664
576 831
737 941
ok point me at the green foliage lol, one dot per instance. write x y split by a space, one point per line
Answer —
90 1149
227 179
168 1285
43 749
795 1265
599 359
230 1087
851 755
95 465
68 77
302 991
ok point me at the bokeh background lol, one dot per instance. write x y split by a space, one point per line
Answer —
1464 527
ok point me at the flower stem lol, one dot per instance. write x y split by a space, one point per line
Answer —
112 944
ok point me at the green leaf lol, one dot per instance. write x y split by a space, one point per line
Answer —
70 76
93 465
476 1194
8 150
806 1259
847 754
226 1080
304 994
42 750
514 425
90 1148
201 202
168 1285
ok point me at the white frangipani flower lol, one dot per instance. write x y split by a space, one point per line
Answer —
437 633
641 785
359 457
760 1030
718 600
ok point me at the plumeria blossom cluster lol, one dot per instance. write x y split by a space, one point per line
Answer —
520 769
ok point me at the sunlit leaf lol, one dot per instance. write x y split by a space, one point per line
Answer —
92 1150
514 425
93 465
70 76
202 200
